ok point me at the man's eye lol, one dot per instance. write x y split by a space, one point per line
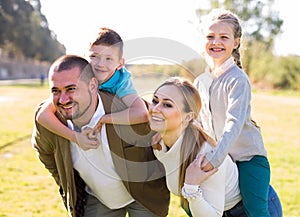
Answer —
54 92
71 89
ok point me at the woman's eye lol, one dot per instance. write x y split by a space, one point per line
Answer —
154 101
168 105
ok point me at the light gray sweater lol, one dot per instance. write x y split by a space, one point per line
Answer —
226 101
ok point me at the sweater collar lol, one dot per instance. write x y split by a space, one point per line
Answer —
223 67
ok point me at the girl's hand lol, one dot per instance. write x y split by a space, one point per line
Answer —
87 140
206 165
194 175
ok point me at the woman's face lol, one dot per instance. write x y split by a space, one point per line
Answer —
166 111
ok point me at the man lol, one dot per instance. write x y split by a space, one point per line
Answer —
121 175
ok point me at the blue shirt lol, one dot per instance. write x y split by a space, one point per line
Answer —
119 84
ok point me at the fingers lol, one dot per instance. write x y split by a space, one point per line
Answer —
157 147
211 172
156 138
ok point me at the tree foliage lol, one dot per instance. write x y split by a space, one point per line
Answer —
24 30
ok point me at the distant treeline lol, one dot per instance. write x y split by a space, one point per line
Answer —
264 69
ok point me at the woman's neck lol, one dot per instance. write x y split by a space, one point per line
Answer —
170 138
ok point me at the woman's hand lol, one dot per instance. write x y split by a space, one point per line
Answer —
195 175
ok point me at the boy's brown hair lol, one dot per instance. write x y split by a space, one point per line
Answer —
109 37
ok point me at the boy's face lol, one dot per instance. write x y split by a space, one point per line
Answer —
105 60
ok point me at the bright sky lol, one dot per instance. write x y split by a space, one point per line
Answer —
74 21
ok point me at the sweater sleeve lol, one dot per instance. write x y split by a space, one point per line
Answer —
213 195
238 101
44 149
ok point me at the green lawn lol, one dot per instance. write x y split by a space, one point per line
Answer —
28 190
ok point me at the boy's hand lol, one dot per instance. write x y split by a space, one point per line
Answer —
155 142
87 140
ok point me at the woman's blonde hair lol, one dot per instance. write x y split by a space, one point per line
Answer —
194 135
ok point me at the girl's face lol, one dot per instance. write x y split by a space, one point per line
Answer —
166 112
105 60
220 42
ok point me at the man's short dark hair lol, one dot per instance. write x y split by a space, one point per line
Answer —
67 62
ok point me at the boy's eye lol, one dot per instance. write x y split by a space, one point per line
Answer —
209 37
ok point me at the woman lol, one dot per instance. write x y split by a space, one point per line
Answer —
173 113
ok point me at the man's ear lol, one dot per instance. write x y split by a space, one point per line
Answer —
94 84
122 62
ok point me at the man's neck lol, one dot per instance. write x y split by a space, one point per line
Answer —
82 121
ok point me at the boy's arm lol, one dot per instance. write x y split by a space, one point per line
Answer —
46 117
135 113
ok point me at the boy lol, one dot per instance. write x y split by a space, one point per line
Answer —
106 59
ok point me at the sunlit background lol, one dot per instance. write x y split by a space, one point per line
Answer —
74 22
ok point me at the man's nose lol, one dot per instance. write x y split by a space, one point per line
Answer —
64 98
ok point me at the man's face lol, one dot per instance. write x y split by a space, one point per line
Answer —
71 96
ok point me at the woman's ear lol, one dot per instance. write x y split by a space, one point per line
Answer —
188 117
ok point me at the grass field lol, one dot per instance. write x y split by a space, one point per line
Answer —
27 190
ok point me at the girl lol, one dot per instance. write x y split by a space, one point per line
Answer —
226 93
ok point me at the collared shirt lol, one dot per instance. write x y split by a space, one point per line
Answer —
96 168
120 83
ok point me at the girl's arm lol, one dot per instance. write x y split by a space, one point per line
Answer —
46 117
135 113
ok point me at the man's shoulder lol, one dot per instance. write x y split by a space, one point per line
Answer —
111 102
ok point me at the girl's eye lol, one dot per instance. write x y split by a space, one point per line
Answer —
209 37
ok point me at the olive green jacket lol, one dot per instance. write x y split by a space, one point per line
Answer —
142 174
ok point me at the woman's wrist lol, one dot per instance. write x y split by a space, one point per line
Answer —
191 191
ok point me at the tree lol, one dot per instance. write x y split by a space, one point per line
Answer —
24 31
260 22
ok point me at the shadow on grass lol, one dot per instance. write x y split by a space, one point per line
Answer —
15 141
